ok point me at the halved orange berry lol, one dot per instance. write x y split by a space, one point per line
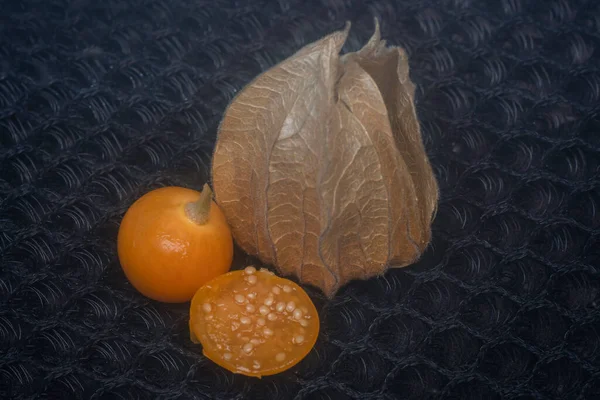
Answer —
253 322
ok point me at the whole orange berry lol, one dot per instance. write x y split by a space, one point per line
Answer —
172 241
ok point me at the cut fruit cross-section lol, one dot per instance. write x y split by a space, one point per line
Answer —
253 322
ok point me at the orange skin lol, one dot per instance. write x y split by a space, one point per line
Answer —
164 253
231 312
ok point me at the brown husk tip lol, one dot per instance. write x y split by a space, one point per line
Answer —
320 167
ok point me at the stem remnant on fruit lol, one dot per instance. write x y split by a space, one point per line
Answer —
198 211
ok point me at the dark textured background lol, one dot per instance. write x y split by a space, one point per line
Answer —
102 103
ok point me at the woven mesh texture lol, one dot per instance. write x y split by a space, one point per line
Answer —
101 102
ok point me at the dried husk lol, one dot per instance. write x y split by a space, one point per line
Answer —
320 168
